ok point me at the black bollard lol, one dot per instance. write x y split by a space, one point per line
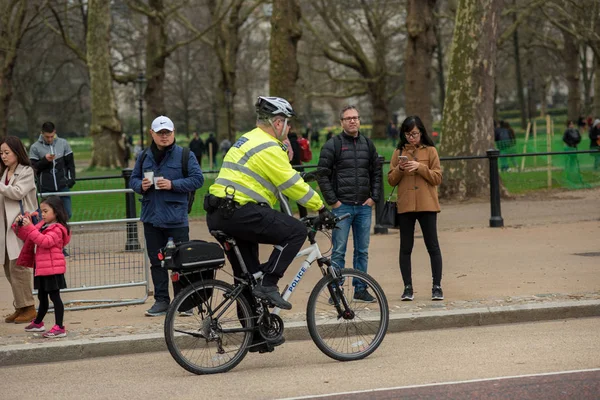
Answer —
496 220
133 242
380 203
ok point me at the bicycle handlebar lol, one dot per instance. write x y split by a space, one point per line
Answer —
315 222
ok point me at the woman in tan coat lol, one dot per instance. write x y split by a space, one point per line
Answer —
16 185
415 168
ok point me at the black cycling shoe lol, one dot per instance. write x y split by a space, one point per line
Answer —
271 294
265 347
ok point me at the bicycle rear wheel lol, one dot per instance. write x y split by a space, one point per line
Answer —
357 331
216 336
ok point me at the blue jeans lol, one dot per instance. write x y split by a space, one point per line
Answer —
156 238
67 202
360 221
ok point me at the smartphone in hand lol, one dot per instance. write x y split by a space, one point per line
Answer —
402 159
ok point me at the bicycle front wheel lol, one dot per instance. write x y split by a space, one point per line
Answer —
352 332
206 331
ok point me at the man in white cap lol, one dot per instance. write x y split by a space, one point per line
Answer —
159 176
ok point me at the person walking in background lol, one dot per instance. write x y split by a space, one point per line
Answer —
415 168
225 146
392 132
42 251
505 140
211 150
137 149
197 147
329 135
126 147
158 176
52 159
350 180
571 138
314 135
594 136
17 194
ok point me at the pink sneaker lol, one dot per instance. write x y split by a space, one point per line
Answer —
33 327
55 332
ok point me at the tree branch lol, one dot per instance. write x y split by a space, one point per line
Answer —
62 33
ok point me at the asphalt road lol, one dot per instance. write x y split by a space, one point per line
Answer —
298 368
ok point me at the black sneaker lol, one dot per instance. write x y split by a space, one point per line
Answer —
271 294
265 347
159 308
408 293
437 293
363 296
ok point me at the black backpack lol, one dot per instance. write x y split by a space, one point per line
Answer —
184 167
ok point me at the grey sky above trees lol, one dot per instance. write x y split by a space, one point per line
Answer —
206 61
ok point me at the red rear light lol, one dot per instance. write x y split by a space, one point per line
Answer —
175 277
160 256
226 245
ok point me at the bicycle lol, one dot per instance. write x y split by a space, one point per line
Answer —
221 331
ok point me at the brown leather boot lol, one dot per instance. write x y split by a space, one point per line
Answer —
27 314
11 318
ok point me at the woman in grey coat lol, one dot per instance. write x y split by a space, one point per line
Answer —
17 187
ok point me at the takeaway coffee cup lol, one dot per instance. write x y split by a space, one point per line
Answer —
149 175
156 179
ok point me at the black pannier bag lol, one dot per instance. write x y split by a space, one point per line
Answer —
196 261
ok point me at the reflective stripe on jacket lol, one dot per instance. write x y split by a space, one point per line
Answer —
257 166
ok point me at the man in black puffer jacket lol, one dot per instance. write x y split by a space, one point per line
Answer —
350 181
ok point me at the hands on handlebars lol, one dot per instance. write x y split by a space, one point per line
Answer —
326 219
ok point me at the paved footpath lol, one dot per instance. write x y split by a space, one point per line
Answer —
542 265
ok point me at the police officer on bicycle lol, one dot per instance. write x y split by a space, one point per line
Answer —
240 202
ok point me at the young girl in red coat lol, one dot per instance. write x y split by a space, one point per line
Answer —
43 250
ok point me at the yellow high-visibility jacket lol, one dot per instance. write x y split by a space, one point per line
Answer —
257 166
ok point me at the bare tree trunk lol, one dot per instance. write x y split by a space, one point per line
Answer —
587 75
572 75
12 21
468 112
519 75
5 89
596 110
226 46
377 95
543 95
156 56
419 52
105 128
439 53
285 34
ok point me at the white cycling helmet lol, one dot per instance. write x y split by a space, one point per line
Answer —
274 106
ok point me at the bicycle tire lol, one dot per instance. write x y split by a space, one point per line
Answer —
326 327
186 336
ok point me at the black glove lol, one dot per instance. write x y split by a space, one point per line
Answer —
326 217
70 183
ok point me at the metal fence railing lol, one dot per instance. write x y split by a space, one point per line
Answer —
519 173
107 256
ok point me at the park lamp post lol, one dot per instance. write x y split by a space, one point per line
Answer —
140 86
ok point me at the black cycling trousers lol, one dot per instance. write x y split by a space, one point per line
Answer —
428 222
252 224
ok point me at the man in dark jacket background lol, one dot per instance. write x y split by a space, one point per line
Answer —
52 159
197 147
350 181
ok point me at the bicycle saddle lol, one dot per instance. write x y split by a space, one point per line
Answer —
221 236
